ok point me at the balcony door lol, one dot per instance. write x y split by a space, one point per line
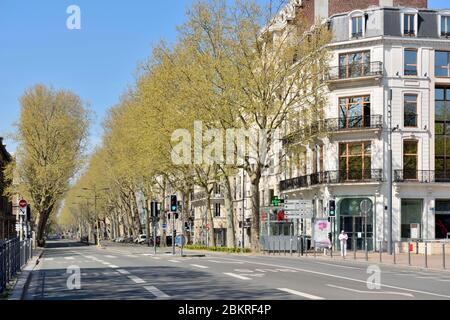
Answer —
354 112
354 64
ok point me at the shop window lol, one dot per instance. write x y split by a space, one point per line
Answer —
411 213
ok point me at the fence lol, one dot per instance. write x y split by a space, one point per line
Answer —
14 254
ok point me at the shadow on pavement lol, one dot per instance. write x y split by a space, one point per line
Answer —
64 244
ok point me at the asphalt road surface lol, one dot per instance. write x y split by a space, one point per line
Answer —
121 272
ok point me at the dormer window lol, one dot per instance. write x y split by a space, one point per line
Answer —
445 26
357 29
409 23
357 24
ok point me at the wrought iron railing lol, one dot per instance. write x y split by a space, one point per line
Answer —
14 254
421 176
354 123
356 70
332 177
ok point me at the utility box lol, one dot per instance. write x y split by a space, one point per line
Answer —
415 231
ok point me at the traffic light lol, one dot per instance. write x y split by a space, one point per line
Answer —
28 213
173 203
332 208
175 215
154 209
186 226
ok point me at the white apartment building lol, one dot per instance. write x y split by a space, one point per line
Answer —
389 89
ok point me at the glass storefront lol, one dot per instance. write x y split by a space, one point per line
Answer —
442 219
354 224
411 213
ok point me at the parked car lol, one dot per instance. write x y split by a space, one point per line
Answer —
141 239
118 240
128 240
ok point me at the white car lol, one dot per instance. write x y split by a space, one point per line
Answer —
141 239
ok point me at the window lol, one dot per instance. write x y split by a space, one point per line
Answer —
355 161
357 26
217 210
410 159
442 219
410 110
442 131
409 24
442 63
410 58
445 26
354 64
321 167
354 112
411 213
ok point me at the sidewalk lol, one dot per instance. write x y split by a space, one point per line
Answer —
434 263
24 277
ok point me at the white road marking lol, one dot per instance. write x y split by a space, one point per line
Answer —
49 259
346 278
156 258
69 258
156 292
113 266
225 262
136 279
301 294
237 276
337 265
111 257
199 266
147 254
371 292
122 271
175 261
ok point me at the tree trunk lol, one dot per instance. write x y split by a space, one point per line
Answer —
41 223
231 240
255 226
210 221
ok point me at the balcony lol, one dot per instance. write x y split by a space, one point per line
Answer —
356 71
336 125
354 123
332 177
201 196
421 176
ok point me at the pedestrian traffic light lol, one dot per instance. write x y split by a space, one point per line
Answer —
332 208
173 203
172 215
28 213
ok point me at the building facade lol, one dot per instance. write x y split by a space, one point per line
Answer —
7 219
388 98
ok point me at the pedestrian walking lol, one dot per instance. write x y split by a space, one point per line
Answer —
343 237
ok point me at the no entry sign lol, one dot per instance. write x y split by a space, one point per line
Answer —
23 203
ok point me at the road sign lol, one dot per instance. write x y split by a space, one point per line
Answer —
23 203
365 206
22 211
164 226
298 209
292 216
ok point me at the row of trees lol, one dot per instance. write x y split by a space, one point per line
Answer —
232 67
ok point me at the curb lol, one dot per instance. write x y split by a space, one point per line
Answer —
24 278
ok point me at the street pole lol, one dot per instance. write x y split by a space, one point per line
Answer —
147 221
390 175
243 211
173 233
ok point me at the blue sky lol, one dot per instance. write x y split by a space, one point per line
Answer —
97 62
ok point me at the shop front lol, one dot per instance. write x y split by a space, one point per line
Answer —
358 226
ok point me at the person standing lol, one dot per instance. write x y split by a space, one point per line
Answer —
343 237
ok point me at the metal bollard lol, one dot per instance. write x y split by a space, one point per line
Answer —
290 244
395 256
354 248
306 246
298 246
367 252
426 254
315 250
443 256
381 251
409 253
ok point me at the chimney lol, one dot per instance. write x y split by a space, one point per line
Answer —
320 9
386 3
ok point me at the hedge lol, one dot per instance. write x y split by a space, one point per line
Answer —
217 249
